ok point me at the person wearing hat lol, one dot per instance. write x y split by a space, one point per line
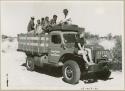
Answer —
80 47
31 25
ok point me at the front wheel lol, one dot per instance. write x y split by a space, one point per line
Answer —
30 63
71 72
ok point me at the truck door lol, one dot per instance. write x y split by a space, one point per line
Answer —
55 48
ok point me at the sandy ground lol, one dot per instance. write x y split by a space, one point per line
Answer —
12 63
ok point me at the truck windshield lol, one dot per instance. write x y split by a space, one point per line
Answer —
69 38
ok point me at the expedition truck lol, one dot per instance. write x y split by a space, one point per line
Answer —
56 48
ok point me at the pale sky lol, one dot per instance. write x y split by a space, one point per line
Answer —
97 17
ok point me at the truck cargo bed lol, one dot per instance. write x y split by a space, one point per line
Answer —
33 43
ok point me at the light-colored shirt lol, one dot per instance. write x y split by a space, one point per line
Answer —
38 28
66 19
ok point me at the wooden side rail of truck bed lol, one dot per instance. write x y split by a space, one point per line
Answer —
33 43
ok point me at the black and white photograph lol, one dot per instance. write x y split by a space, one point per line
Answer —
62 45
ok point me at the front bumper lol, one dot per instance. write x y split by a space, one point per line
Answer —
97 71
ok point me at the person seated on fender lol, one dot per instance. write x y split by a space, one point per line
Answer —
80 48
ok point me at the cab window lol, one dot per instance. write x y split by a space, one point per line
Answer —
56 39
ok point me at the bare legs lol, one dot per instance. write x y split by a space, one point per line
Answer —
83 53
89 54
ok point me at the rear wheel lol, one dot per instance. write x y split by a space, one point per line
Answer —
71 72
30 63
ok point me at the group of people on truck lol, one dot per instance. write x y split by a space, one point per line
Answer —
44 24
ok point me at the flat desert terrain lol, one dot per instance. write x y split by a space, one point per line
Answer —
13 64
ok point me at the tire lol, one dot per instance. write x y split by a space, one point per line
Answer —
71 72
30 63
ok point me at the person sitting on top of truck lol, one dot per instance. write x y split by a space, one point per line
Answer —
31 24
80 48
42 22
38 28
46 21
46 24
67 19
53 21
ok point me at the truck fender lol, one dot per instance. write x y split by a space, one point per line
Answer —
74 57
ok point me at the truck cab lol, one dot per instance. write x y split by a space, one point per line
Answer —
60 43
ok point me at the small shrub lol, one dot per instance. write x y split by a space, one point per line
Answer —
115 65
117 54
